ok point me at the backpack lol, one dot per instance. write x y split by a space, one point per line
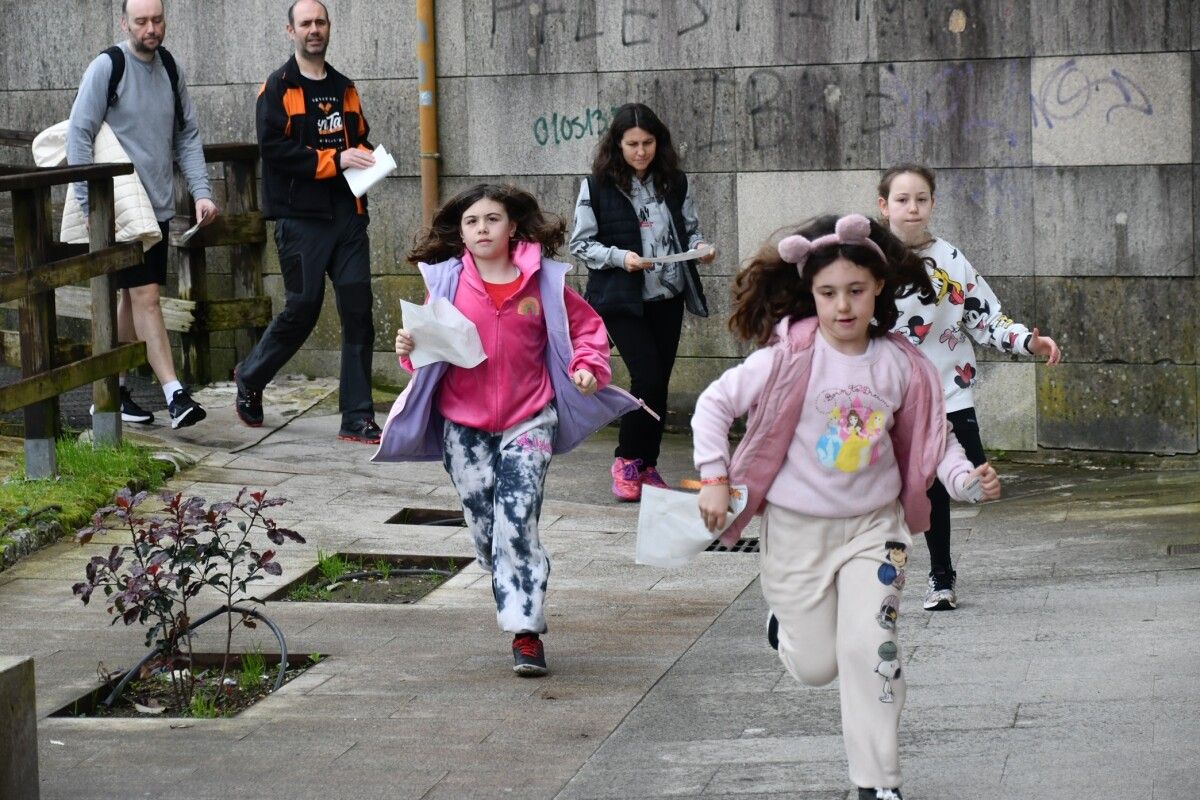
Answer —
117 55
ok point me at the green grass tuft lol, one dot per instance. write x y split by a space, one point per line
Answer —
87 480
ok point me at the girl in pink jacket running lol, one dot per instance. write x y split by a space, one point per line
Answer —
540 390
846 430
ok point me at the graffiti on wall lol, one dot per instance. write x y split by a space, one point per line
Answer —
1068 91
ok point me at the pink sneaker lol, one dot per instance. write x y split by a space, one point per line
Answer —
650 477
626 474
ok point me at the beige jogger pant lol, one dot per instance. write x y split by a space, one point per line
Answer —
834 585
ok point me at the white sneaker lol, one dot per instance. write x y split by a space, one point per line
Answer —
130 411
940 596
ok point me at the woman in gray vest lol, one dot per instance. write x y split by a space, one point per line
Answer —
637 206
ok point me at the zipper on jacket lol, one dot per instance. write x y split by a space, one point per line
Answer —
497 390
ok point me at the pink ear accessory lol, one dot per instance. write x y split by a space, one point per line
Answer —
851 229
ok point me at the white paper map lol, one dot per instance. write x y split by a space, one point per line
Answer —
690 255
670 530
360 180
440 332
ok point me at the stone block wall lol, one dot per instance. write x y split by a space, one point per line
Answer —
1065 134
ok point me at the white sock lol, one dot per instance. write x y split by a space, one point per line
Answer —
169 390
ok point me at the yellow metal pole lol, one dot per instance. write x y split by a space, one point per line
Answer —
427 88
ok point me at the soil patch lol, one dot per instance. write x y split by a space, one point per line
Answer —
367 578
249 678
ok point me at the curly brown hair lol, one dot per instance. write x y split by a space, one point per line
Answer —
610 165
767 288
443 238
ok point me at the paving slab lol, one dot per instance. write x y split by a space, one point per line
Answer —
1075 633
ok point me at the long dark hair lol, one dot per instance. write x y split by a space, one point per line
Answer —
443 238
767 288
610 165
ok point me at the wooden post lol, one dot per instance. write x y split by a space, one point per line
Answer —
18 730
106 393
193 285
246 261
31 240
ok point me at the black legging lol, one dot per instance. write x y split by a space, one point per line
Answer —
966 429
648 345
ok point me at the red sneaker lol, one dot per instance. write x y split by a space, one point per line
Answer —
529 657
627 480
650 477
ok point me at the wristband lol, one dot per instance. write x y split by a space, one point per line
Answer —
722 480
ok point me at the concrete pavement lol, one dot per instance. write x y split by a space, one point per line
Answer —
1070 670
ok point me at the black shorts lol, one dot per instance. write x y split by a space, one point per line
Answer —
153 268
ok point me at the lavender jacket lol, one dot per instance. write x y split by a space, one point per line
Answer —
413 431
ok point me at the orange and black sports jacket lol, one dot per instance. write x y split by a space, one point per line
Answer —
298 179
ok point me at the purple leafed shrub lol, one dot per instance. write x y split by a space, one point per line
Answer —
170 558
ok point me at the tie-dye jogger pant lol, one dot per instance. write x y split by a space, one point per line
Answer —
500 478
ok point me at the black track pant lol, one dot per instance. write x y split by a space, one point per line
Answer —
966 429
648 345
310 249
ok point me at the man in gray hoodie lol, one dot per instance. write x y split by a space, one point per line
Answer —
156 128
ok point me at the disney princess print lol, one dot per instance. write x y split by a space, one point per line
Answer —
856 420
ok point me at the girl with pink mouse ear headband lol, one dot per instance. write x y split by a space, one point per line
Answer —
845 430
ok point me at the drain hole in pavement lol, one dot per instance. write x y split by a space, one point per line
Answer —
428 516
1183 549
740 546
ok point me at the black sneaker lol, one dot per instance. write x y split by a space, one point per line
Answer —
248 404
772 630
130 411
940 596
184 410
879 794
529 657
364 430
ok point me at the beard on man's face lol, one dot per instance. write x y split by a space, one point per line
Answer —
145 44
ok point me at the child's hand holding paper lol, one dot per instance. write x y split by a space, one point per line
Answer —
440 332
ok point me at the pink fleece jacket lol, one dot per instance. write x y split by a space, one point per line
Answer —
512 383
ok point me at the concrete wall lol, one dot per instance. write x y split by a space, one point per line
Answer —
1065 134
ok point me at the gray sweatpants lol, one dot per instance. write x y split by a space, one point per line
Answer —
834 585
500 477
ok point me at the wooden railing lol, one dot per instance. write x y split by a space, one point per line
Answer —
40 266
194 314
240 227
37 273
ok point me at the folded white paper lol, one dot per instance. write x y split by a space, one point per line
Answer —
360 180
690 255
441 333
671 531
190 232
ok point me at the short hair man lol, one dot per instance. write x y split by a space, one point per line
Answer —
310 130
144 121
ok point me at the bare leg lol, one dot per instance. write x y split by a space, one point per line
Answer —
146 316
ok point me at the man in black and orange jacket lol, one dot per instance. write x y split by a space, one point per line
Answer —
311 129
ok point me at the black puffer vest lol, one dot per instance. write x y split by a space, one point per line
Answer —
615 290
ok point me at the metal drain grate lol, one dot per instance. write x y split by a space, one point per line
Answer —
1183 549
740 546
